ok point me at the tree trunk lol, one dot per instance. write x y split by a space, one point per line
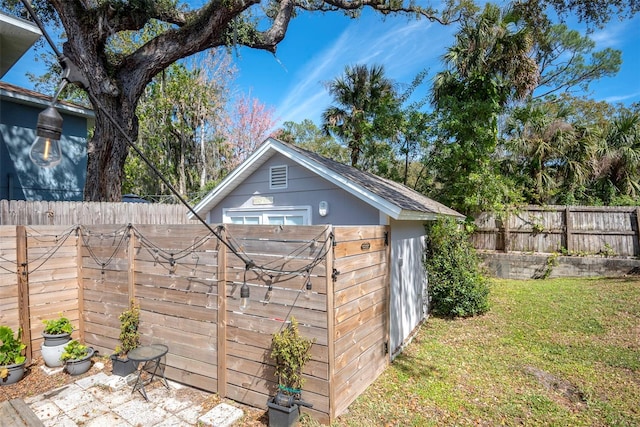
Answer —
107 151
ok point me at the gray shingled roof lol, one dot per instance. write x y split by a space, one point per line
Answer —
396 193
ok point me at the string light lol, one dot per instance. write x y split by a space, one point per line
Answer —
244 297
267 296
308 286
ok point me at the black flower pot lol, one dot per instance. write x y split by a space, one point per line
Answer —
122 367
282 416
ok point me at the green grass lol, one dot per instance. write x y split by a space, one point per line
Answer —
550 352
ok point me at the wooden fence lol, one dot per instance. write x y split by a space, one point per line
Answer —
187 283
571 230
20 212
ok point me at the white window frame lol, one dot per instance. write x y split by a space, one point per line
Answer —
283 186
264 212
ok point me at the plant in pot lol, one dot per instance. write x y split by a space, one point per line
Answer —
290 351
129 339
57 334
12 357
76 357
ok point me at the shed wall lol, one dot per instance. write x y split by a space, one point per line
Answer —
409 299
304 189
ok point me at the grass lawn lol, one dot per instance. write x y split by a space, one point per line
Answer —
550 352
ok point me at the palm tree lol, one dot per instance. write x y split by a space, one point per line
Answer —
620 166
361 94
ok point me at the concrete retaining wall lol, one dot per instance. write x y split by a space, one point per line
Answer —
536 266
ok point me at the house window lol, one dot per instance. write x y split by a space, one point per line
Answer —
274 216
278 177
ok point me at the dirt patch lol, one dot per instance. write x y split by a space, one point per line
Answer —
558 385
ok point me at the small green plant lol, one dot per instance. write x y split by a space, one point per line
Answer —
74 351
129 334
457 286
11 349
291 351
552 261
537 228
607 251
58 326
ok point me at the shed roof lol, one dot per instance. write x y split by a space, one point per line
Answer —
393 199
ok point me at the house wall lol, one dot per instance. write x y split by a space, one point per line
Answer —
408 281
20 179
304 189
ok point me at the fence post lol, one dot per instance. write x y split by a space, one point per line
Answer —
80 282
23 288
506 237
638 230
568 229
132 264
331 320
222 315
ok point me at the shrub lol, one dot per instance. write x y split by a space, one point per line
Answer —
457 286
129 333
291 351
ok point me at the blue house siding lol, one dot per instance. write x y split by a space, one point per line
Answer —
20 179
304 189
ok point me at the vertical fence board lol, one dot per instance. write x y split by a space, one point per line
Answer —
579 230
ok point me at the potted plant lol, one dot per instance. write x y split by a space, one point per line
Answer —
12 357
129 339
57 331
57 334
77 357
290 351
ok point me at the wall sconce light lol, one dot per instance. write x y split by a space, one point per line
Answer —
323 208
45 150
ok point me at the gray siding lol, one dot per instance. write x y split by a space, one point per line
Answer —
20 179
304 189
408 281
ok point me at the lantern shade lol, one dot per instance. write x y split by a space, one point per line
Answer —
45 150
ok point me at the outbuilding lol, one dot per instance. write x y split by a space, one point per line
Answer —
284 184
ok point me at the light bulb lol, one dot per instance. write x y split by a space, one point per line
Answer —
267 296
307 290
45 150
244 297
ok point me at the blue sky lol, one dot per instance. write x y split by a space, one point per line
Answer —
318 47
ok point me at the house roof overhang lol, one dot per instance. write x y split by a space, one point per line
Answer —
16 38
24 96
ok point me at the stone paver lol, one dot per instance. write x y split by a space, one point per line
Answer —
104 400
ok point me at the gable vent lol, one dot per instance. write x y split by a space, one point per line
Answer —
278 177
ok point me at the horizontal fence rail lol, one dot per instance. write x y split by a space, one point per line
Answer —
568 230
